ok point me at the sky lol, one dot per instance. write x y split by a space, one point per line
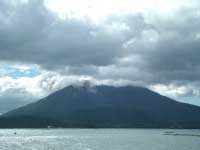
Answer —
46 45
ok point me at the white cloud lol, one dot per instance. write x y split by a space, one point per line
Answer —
176 90
29 85
98 10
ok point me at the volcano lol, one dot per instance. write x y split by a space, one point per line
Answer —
104 107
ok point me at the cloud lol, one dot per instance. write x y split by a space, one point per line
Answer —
35 35
170 49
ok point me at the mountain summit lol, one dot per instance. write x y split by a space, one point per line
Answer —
104 106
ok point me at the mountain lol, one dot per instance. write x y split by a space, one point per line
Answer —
104 106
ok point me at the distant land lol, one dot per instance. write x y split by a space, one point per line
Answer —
104 107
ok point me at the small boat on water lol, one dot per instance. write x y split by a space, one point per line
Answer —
168 132
49 127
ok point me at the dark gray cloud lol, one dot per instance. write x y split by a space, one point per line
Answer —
33 34
170 51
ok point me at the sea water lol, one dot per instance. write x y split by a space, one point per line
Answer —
98 139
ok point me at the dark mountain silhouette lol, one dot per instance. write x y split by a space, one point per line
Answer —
104 106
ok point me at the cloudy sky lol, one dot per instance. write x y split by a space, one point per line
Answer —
46 45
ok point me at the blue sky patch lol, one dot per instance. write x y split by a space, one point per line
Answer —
15 72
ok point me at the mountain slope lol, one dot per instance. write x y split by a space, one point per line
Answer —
106 106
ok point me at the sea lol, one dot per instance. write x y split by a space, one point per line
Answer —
99 139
